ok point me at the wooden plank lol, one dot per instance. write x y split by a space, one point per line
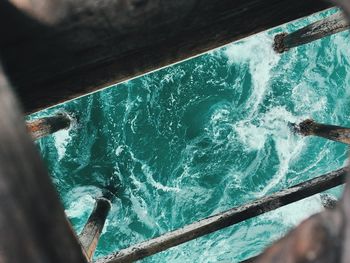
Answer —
331 25
74 47
227 218
33 225
42 127
92 230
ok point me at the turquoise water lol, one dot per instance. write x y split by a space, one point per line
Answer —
203 136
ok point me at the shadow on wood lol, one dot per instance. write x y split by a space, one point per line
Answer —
33 225
74 47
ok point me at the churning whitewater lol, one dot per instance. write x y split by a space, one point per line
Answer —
203 136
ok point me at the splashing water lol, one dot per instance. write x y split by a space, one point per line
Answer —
201 137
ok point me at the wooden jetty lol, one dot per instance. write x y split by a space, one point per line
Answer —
52 51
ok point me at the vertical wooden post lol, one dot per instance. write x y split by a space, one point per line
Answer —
48 125
33 224
92 230
67 48
331 132
325 27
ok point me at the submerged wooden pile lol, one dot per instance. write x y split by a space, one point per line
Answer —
59 49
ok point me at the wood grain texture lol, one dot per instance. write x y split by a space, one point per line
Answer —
92 230
330 25
33 225
227 218
335 133
80 46
45 126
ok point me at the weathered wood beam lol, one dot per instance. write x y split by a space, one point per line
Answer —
331 25
73 47
45 126
93 228
335 133
33 224
227 218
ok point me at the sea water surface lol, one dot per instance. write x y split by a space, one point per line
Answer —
203 136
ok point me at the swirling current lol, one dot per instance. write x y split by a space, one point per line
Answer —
200 137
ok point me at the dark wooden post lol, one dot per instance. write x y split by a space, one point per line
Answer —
48 125
325 27
227 218
92 230
331 132
33 224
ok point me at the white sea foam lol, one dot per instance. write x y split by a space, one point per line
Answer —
80 202
340 42
220 128
141 209
146 169
149 175
261 58
62 138
119 150
307 100
139 198
252 136
322 154
78 207
273 124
